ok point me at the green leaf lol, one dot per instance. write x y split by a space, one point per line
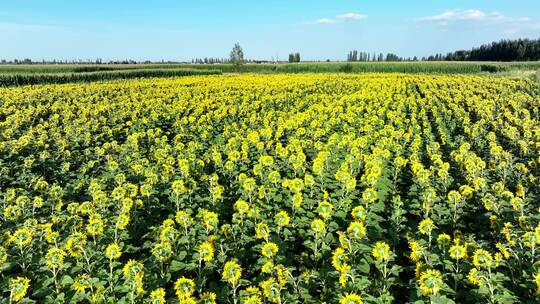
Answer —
363 266
176 266
66 280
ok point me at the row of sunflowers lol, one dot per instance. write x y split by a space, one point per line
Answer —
311 188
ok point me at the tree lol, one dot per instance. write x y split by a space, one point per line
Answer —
393 57
504 50
291 58
297 57
237 55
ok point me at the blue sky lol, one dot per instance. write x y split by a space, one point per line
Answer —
318 29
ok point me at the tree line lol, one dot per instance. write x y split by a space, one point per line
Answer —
354 56
209 60
503 50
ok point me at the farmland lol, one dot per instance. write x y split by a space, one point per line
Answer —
272 188
21 74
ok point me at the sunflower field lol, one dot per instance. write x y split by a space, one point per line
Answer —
305 188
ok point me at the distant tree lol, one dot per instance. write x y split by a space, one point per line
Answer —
354 56
291 58
297 57
392 57
237 55
521 52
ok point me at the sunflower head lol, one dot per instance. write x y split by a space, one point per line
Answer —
431 282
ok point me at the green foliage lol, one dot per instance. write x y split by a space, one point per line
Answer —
14 79
346 68
237 56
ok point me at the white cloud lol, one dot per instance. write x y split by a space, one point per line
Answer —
321 21
339 18
351 16
456 15
472 15
484 20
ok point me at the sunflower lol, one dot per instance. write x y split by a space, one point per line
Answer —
3 256
474 277
183 218
262 231
482 259
75 243
325 209
454 197
253 300
344 273
417 250
370 195
282 219
269 250
113 251
131 268
241 207
18 288
356 230
231 272
339 258
457 252
54 259
184 288
350 298
162 251
178 187
318 226
426 226
443 239
123 220
207 298
268 267
157 296
22 237
381 251
359 213
206 251
431 282
95 225
271 290
81 283
209 219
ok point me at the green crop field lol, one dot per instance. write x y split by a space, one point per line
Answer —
12 75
